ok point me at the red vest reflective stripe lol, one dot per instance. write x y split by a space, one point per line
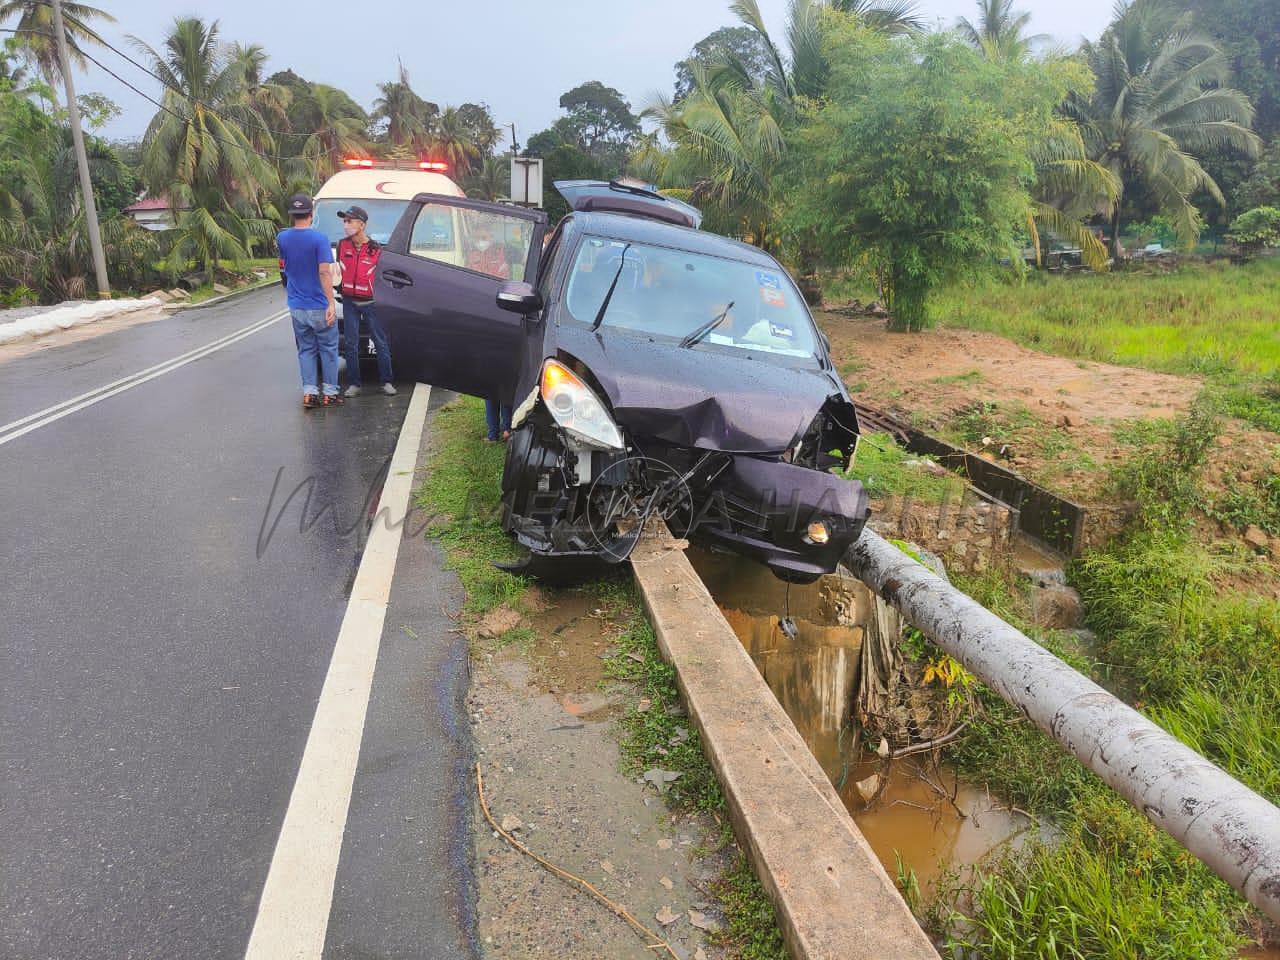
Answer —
358 267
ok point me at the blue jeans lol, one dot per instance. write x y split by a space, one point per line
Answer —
314 339
353 315
498 418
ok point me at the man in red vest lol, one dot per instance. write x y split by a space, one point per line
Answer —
358 257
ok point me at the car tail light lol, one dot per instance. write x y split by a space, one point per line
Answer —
435 166
358 162
577 409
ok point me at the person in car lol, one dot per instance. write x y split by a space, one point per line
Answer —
358 258
487 257
307 264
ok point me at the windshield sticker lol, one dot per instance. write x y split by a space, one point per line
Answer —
781 332
774 298
769 281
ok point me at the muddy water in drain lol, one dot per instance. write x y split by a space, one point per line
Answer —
812 674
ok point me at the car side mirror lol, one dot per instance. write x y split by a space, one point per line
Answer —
519 297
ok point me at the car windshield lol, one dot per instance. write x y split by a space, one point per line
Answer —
383 217
671 293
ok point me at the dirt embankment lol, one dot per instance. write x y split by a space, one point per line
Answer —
1064 423
1053 419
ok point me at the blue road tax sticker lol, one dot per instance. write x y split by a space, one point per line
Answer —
770 280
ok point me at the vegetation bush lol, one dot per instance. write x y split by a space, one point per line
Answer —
1255 230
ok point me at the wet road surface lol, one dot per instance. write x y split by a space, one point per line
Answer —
163 642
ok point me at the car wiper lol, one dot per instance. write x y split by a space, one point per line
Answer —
700 334
604 304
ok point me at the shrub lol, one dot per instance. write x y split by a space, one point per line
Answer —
1255 229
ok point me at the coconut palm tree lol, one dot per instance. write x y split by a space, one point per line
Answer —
409 117
1070 187
1161 100
196 150
727 132
270 101
38 45
727 146
491 180
44 239
453 141
339 130
999 30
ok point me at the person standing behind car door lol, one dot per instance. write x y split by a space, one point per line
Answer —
307 264
358 258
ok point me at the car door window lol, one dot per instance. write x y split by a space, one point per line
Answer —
482 241
547 266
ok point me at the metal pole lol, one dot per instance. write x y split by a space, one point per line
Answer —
1234 831
82 159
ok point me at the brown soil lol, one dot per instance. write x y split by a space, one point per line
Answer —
1061 413
1057 421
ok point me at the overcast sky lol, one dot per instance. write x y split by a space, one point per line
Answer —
517 56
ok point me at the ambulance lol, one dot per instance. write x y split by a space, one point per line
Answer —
384 188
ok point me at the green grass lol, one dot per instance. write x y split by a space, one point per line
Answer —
885 469
969 376
1202 318
1215 320
462 496
1201 662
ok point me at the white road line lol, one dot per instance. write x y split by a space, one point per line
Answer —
293 914
41 418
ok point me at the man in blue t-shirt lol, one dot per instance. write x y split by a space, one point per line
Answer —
308 279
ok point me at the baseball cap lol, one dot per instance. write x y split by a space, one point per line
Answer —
354 213
299 205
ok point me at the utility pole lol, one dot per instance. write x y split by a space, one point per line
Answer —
82 159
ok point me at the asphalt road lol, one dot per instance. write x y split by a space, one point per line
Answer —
162 650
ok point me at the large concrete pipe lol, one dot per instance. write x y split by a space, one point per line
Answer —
1233 830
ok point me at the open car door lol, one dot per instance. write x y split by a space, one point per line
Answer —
436 291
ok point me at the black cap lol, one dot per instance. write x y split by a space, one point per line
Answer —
299 205
354 213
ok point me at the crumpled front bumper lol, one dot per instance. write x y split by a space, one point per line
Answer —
763 508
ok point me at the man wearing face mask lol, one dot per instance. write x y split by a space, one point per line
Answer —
358 257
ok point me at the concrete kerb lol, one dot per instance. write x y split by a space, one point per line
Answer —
183 305
833 898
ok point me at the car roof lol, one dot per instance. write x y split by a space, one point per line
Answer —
384 183
620 226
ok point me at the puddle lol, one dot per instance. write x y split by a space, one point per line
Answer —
812 674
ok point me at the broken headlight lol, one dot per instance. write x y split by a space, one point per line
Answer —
577 409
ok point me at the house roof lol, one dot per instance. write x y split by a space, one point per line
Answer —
151 203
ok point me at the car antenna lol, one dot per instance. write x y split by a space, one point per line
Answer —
707 327
604 304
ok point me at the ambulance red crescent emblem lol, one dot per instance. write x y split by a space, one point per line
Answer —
378 186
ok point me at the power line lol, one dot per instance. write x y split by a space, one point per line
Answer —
169 86
248 148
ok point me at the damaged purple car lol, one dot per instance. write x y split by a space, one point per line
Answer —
655 370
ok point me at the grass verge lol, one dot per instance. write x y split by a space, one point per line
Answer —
462 499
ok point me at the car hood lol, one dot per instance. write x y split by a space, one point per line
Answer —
696 397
